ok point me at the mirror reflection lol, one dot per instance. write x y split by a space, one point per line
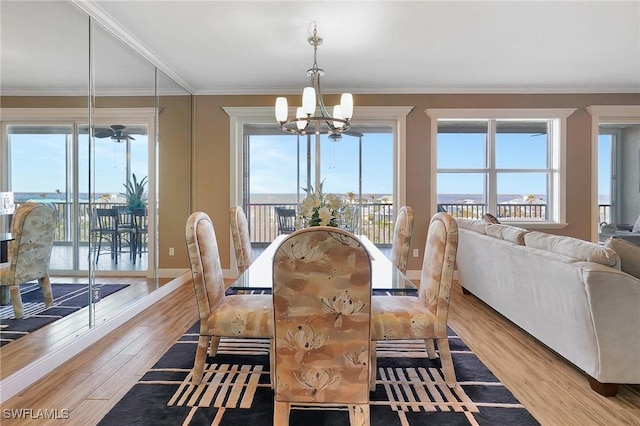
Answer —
88 152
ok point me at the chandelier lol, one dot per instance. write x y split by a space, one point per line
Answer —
333 124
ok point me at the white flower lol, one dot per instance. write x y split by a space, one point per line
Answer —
325 216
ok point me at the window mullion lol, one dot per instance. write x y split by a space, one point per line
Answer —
492 178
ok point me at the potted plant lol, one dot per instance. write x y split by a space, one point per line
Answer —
135 195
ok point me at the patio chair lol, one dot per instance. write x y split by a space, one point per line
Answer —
321 306
423 317
140 218
286 220
236 316
33 227
110 228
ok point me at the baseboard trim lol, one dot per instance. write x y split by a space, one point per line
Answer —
33 372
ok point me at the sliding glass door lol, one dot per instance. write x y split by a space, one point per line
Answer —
357 167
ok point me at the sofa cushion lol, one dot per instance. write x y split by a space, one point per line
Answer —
629 255
472 224
573 247
507 233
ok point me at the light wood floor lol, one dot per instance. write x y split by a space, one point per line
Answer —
553 391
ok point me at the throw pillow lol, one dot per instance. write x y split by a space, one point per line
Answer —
489 218
636 226
629 255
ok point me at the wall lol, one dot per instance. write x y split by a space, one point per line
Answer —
211 152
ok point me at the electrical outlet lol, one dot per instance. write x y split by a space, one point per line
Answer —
171 251
416 253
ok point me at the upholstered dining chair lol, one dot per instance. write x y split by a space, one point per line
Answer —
33 227
401 242
241 238
321 307
423 317
220 315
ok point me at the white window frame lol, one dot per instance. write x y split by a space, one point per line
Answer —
239 116
557 194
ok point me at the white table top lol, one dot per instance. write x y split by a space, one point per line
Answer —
385 276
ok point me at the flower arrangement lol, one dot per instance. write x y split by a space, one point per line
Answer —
319 209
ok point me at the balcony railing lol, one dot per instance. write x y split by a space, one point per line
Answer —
375 220
511 211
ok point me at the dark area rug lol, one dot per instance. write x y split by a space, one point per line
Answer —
410 390
67 298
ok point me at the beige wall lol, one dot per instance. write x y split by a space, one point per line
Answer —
211 152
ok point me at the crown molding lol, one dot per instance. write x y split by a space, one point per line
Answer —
96 12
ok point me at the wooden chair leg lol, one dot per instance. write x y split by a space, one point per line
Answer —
272 363
373 369
447 362
213 346
359 415
201 356
45 284
16 300
281 413
431 348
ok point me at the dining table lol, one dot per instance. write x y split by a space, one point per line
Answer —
385 277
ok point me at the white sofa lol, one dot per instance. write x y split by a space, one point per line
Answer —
569 294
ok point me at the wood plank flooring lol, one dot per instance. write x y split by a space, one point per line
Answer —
553 391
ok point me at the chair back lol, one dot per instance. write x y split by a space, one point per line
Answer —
107 219
33 227
140 217
286 220
322 311
241 238
204 259
401 242
438 265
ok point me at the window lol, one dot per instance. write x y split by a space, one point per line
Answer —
505 162
367 164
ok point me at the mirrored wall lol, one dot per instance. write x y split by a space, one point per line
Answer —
85 119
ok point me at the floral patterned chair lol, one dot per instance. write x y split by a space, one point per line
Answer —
423 317
241 238
321 303
401 242
220 315
33 228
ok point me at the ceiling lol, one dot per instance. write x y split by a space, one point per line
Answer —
260 47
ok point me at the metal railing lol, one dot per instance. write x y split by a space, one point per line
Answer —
511 211
375 220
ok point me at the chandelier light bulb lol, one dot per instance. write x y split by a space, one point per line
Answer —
309 100
346 105
300 114
337 113
282 109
